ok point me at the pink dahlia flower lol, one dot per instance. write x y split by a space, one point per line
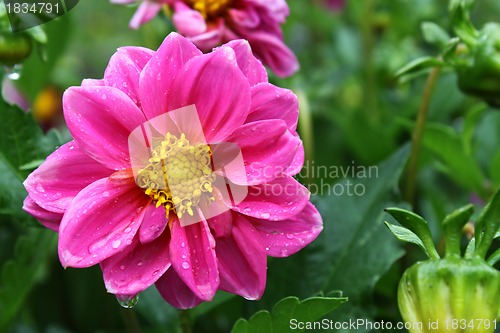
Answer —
110 209
209 23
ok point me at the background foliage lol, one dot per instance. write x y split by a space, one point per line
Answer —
354 113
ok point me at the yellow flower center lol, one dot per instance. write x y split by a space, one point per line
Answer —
178 175
211 8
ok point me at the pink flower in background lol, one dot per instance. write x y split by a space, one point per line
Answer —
109 213
335 5
209 23
146 11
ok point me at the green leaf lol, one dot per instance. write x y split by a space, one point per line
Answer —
445 143
494 258
287 314
418 65
20 274
406 235
434 34
418 226
453 225
487 225
21 143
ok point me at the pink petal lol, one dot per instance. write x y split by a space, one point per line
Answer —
215 85
298 161
153 225
273 52
137 267
212 37
193 258
251 67
176 292
124 70
101 120
248 18
221 224
276 200
92 82
284 238
101 221
48 219
59 179
271 102
146 11
157 75
268 148
187 21
242 260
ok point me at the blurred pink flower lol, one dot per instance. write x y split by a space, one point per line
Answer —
209 23
88 191
335 5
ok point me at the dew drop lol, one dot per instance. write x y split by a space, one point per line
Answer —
122 267
127 301
127 230
103 97
183 244
155 272
267 248
290 236
105 194
185 265
140 263
247 210
116 244
265 215
40 188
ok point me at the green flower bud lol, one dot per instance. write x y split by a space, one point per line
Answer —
450 295
14 48
478 68
457 293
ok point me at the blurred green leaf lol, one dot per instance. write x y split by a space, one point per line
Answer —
21 273
286 315
434 34
446 145
418 65
21 143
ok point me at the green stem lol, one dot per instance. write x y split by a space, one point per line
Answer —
418 134
130 320
185 321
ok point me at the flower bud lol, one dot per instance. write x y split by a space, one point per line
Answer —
450 295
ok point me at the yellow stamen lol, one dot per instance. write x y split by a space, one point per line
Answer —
178 175
211 8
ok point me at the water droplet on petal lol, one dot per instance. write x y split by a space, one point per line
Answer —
105 194
140 263
183 244
185 265
290 236
116 244
103 97
247 210
127 301
265 215
40 188
122 267
267 248
127 230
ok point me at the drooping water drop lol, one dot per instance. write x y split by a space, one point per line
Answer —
13 72
127 301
